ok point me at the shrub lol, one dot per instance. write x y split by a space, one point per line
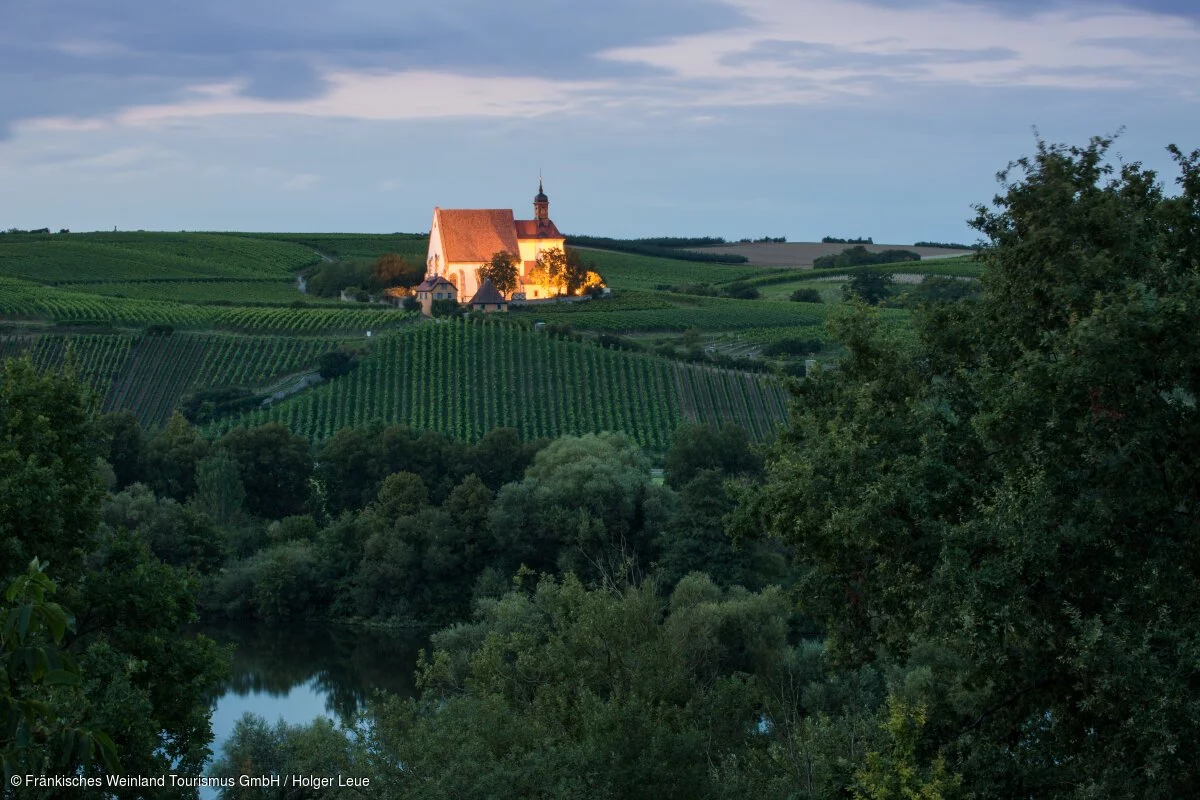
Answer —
806 296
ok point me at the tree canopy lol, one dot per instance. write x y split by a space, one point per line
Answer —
1005 510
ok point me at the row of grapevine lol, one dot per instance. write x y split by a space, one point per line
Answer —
134 256
28 300
149 374
164 368
463 379
714 395
98 360
710 314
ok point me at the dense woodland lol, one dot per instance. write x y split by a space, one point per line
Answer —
968 567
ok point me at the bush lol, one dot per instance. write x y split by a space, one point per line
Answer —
792 347
205 405
334 364
741 290
159 330
806 296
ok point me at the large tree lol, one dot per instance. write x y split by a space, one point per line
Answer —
502 270
50 489
275 466
1006 511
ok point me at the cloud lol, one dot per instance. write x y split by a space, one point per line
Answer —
857 46
147 65
77 57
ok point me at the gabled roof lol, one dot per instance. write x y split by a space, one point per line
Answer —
476 234
488 293
429 284
532 229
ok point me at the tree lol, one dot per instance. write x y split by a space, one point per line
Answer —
585 505
805 296
564 268
1004 511
50 489
169 459
870 287
565 692
125 446
179 535
39 682
335 364
275 466
219 490
697 447
502 270
391 269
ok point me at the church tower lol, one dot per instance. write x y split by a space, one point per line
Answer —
541 205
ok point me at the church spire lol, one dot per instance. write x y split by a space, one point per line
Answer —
541 203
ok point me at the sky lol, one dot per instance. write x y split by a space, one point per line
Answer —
734 118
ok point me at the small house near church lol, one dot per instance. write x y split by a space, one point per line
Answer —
432 289
488 299
461 240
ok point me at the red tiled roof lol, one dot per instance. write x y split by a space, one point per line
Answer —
488 293
530 229
476 234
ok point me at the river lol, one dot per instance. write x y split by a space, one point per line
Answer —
299 673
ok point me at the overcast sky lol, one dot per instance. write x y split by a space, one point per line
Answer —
797 118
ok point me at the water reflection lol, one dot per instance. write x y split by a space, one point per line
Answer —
342 665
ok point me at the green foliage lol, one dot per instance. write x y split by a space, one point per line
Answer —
858 256
335 364
793 347
179 535
169 459
836 240
946 245
898 774
585 505
49 486
392 269
502 270
205 405
805 295
317 749
274 465
869 287
36 676
219 490
740 290
1005 508
695 448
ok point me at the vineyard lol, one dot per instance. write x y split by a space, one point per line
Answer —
24 300
149 374
665 311
244 291
463 379
64 258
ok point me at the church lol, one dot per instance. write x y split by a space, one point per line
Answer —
461 240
